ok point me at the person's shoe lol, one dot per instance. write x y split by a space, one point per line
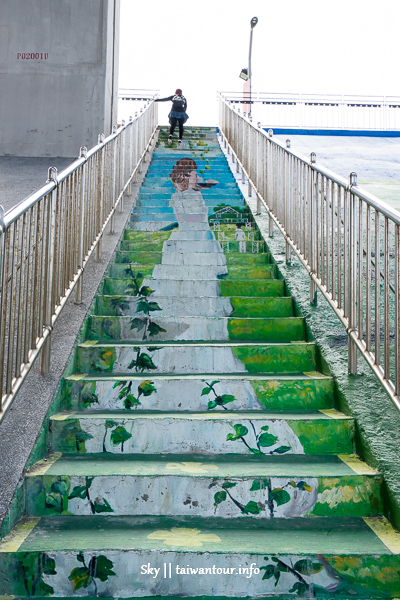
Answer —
179 142
169 140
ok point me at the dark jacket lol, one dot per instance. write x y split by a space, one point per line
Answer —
179 103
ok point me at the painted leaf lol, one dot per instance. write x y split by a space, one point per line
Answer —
80 578
212 383
240 431
43 589
80 557
143 306
267 439
110 423
206 391
79 491
225 399
265 428
137 323
59 487
282 449
279 496
212 404
54 501
229 484
107 359
155 329
47 564
101 505
145 362
302 485
130 401
82 436
118 384
146 291
153 306
146 388
119 436
300 588
107 328
255 451
282 567
101 567
305 566
252 508
259 484
124 392
269 571
219 497
88 395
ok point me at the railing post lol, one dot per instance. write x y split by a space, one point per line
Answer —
352 275
47 308
100 195
129 190
81 236
288 209
2 287
260 169
113 183
121 166
312 231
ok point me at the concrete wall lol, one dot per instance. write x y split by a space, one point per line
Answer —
58 75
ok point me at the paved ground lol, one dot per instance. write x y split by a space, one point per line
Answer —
20 176
375 160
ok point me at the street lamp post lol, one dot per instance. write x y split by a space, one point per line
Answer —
246 73
253 23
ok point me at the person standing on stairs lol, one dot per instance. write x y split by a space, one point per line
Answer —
177 115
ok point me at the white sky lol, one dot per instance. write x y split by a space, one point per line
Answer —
307 46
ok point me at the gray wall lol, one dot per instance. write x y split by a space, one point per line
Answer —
52 104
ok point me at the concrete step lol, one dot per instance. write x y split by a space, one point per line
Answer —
213 433
181 306
191 358
188 288
156 327
128 253
171 257
203 392
280 487
212 557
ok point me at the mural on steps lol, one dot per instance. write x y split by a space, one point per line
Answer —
111 573
195 426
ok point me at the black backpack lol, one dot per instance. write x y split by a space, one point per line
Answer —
178 102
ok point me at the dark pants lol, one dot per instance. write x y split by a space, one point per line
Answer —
173 121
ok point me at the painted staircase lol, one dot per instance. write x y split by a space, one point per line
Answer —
194 448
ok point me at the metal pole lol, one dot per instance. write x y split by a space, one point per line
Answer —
79 288
50 264
253 23
352 275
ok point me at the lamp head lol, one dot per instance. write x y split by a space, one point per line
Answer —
253 22
244 74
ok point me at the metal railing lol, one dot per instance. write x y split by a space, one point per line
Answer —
316 111
47 239
347 239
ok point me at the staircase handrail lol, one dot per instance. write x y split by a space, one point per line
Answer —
47 239
344 236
